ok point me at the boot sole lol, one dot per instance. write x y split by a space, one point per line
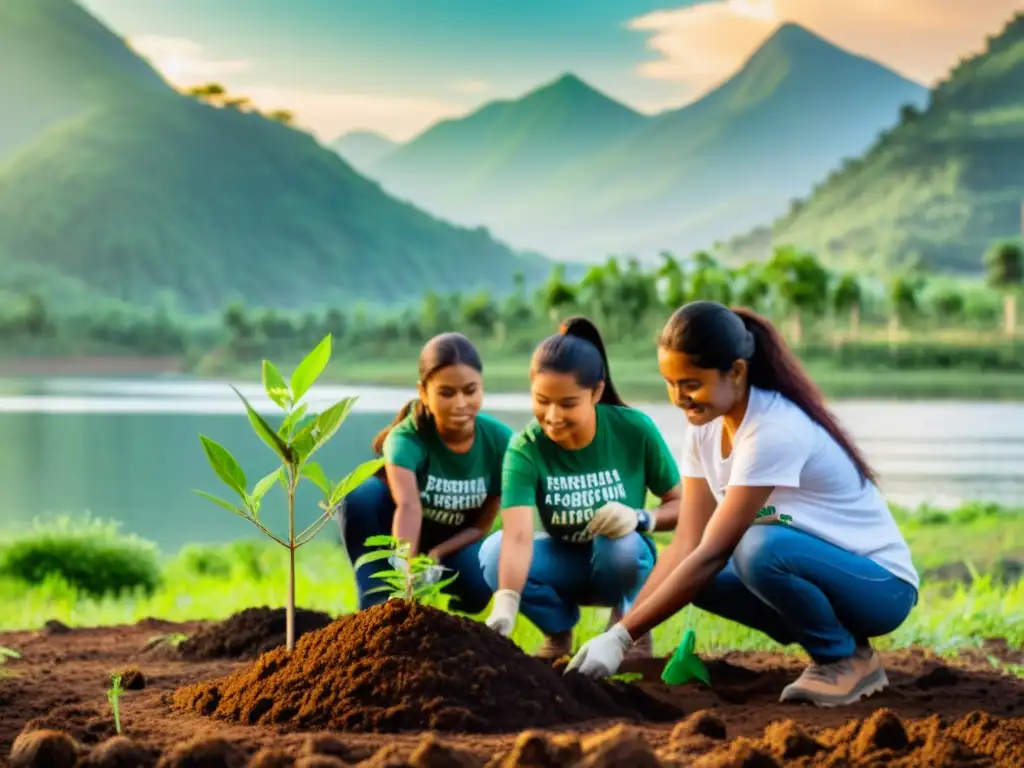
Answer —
875 682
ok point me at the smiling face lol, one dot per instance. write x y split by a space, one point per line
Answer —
453 395
563 408
703 393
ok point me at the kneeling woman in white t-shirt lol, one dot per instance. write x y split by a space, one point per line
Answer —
782 527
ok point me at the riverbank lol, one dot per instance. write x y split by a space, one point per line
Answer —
638 380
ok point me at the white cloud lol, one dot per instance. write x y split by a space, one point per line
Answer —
182 61
329 114
469 86
701 45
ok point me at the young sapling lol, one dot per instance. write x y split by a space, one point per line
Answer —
294 442
411 578
5 654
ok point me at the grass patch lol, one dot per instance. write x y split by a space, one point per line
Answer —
212 582
93 556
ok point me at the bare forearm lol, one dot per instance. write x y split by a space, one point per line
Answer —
668 559
678 588
461 539
664 517
407 524
514 565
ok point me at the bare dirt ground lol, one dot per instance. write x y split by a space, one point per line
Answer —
935 712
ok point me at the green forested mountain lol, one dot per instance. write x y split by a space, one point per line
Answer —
936 189
677 181
114 181
471 169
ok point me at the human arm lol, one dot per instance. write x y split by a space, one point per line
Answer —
403 456
518 499
698 504
465 537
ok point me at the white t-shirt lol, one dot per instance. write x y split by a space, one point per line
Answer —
817 488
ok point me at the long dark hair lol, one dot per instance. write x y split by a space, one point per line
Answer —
714 336
578 349
440 352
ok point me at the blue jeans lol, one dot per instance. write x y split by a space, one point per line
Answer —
369 511
562 577
797 588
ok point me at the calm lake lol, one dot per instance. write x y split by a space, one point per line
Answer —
129 449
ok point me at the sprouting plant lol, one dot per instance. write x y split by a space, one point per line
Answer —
295 441
415 579
627 677
114 697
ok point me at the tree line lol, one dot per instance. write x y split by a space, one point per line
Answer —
627 299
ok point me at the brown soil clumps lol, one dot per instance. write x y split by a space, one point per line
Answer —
120 752
202 752
403 666
880 739
44 749
249 633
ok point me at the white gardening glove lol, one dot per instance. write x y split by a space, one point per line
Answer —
601 656
615 520
504 611
433 574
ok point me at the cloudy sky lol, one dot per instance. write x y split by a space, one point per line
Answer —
396 66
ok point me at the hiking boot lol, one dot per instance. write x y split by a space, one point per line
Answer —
841 682
643 648
555 646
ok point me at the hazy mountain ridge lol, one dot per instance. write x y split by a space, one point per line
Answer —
138 191
936 189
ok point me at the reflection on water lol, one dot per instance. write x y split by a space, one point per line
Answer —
129 449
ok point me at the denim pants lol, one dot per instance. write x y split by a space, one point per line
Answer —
604 572
369 510
797 588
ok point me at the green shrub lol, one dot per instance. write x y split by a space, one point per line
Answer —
93 556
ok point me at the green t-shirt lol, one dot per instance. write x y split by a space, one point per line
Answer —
627 457
453 486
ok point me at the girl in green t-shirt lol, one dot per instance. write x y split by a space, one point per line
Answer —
442 477
584 465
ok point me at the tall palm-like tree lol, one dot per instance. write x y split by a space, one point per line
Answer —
1004 267
801 283
848 299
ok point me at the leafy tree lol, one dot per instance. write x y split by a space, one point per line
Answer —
1004 269
848 298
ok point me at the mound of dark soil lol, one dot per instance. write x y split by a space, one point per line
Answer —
248 634
404 666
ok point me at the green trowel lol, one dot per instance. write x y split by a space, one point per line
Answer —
685 665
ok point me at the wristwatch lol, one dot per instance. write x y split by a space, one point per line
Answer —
643 520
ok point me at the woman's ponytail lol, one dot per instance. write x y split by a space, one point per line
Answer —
583 328
420 418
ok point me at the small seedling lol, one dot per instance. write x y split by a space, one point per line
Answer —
114 697
408 582
685 665
627 677
297 439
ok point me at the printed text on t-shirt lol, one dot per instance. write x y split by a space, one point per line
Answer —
574 499
445 501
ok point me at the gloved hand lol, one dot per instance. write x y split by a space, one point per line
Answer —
433 574
601 656
504 611
615 520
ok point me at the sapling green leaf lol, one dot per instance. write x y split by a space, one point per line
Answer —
293 445
353 480
275 386
315 474
309 370
225 465
291 421
264 430
226 504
